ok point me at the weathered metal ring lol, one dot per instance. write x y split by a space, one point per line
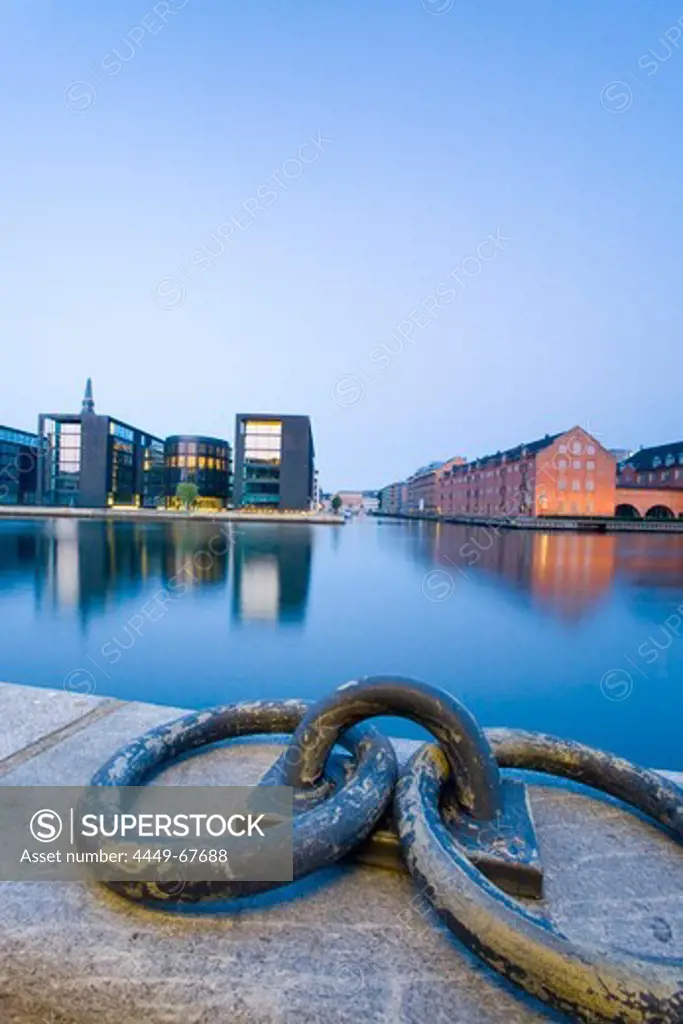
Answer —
581 981
647 791
322 834
463 742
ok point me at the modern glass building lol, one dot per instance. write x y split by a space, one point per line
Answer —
18 466
94 461
204 461
274 462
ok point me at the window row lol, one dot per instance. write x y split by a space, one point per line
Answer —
57 427
576 448
576 485
118 430
263 444
663 476
262 428
576 464
195 448
669 460
196 462
16 437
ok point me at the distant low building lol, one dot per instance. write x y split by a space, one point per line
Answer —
352 500
370 501
93 461
422 489
393 498
358 501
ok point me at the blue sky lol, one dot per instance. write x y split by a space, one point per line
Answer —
493 192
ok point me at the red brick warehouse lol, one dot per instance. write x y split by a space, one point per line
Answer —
563 474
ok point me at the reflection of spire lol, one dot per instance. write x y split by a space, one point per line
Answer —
88 400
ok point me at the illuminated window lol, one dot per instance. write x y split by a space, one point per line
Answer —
590 464
576 485
263 427
590 449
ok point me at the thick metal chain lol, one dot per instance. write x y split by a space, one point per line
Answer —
324 830
458 820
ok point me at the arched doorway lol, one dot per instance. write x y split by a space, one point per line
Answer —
659 512
627 512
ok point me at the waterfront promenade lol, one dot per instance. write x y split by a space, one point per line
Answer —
350 944
580 524
168 515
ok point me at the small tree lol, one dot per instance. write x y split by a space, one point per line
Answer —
336 503
188 494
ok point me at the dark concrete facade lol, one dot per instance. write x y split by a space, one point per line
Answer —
280 476
93 461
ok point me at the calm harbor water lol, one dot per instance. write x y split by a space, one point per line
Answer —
580 636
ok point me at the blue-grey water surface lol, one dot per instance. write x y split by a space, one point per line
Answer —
580 636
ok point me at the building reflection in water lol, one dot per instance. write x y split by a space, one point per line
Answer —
272 573
651 559
566 573
18 553
197 554
89 566
86 565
